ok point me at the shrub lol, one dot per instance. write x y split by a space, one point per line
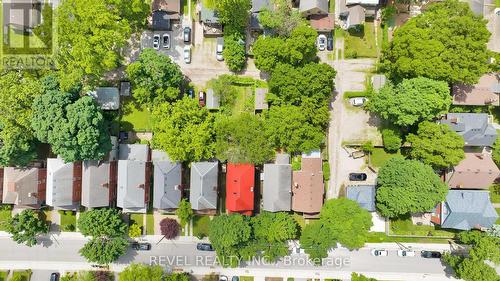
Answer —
326 171
392 139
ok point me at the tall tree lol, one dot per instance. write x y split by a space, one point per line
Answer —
138 272
26 226
104 250
316 239
272 231
102 222
408 186
436 145
234 52
411 101
184 130
155 78
447 42
241 139
282 19
233 14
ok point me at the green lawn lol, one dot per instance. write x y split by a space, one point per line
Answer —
246 278
137 219
16 40
495 193
3 275
135 117
244 101
5 215
380 237
379 156
150 224
404 226
68 220
208 3
25 275
498 212
200 226
361 43
497 3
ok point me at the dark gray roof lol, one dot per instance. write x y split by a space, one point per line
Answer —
356 16
467 209
167 190
108 98
59 193
208 15
130 194
138 152
203 189
475 128
95 184
259 5
161 20
277 193
364 195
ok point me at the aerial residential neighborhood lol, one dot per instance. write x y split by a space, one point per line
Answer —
249 140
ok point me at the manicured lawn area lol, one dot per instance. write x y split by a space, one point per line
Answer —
495 193
150 224
404 226
135 117
246 278
68 220
379 237
498 212
137 219
5 215
200 226
25 275
3 275
361 43
379 156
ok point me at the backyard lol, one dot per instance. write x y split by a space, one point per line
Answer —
68 220
200 226
5 215
361 43
379 156
135 117
405 226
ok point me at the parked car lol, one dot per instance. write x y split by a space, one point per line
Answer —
201 98
406 253
166 41
191 93
205 247
359 101
187 34
223 278
431 254
357 176
329 42
235 278
187 54
321 42
380 253
156 41
54 276
219 49
141 246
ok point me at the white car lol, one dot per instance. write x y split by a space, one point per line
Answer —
321 42
219 49
156 41
406 253
166 41
358 101
380 253
187 54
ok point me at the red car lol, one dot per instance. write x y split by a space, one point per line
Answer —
202 98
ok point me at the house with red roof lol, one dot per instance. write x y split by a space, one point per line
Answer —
239 188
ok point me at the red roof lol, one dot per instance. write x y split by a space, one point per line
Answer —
239 188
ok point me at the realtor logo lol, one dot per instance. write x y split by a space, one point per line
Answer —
27 34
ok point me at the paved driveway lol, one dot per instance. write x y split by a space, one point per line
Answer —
41 275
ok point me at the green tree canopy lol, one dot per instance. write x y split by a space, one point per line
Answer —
233 14
272 231
104 250
155 78
496 151
234 52
408 186
436 145
411 101
102 222
241 139
392 139
288 128
26 226
184 212
282 19
447 42
360 277
139 272
184 130
316 239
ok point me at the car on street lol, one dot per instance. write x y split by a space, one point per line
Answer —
187 54
219 49
187 34
406 253
431 254
380 253
205 247
357 176
166 41
54 276
359 101
329 42
156 41
223 278
201 98
235 278
141 246
321 42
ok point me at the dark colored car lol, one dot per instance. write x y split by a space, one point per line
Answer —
187 34
191 93
431 254
141 246
201 98
54 276
357 176
205 247
235 278
329 41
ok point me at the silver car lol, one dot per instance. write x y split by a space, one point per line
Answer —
156 41
219 49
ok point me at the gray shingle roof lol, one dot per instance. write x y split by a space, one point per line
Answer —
130 195
59 191
259 5
138 152
167 191
208 15
108 98
314 6
364 195
95 184
203 190
277 193
475 128
466 209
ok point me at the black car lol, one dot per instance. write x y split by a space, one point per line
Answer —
329 42
141 246
431 254
54 276
357 176
187 34
205 247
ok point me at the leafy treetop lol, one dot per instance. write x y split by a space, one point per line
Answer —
102 222
26 226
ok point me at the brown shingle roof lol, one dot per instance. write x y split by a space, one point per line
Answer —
476 171
308 187
481 93
322 22
169 6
